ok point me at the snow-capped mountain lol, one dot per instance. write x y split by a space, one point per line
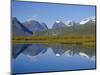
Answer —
68 23
90 19
58 24
33 27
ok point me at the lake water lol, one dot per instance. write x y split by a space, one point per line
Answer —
43 58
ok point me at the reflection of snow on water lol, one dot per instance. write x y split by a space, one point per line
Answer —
86 56
57 55
31 57
68 53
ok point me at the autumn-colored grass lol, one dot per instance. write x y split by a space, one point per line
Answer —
83 40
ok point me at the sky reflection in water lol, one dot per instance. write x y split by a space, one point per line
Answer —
43 58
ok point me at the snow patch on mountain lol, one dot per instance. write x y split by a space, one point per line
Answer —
92 19
69 23
58 21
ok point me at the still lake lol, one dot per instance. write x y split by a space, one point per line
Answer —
43 58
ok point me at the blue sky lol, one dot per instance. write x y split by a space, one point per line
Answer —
49 13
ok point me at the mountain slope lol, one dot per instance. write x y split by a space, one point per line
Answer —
19 29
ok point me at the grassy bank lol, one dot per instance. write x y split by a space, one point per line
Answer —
84 40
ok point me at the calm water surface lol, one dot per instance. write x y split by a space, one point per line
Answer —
43 58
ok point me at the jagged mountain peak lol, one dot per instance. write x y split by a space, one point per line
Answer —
58 24
14 19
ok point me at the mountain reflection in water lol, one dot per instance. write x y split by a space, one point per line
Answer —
44 57
58 50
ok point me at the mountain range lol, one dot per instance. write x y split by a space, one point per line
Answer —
33 27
